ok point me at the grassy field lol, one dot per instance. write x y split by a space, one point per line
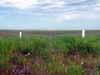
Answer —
30 33
41 55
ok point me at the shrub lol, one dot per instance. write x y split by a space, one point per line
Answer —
4 61
74 69
97 67
7 47
58 46
69 41
63 44
55 67
41 48
88 46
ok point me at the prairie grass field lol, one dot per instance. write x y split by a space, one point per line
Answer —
30 33
49 53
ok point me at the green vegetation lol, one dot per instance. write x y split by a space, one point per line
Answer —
75 69
49 51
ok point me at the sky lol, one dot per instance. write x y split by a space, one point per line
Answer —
50 14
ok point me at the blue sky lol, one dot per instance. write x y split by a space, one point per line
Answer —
50 14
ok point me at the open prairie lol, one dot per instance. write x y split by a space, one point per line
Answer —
49 53
29 33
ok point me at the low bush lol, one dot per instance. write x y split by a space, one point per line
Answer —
88 46
75 69
45 46
55 67
40 48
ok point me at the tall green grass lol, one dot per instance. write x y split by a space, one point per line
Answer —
44 46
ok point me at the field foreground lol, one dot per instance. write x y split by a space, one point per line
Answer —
42 55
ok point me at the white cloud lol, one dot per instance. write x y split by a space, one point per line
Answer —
21 4
67 16
77 16
97 7
58 4
98 4
75 1
62 6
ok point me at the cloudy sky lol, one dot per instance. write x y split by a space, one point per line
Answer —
50 14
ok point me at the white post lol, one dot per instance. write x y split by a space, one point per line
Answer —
20 34
83 33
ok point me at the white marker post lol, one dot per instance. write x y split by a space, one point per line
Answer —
83 33
20 34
